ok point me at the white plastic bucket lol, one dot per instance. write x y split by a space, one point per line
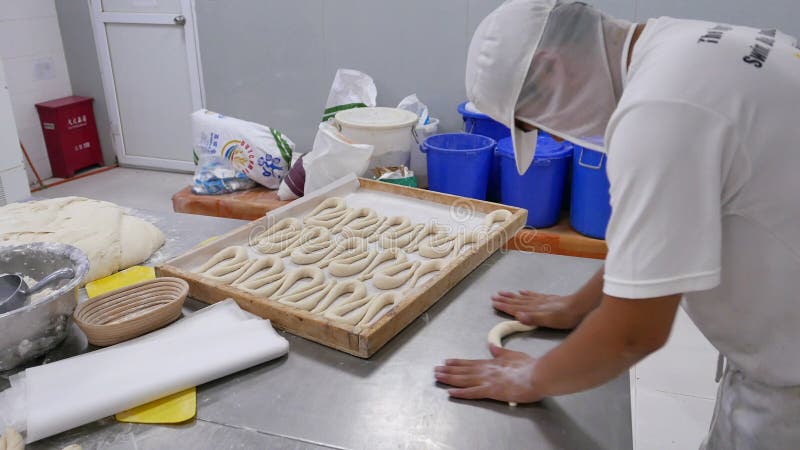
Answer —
419 160
389 130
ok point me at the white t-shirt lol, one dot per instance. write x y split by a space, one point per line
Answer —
704 165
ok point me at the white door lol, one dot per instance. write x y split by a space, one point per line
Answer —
151 76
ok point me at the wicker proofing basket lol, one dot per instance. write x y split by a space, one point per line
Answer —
131 311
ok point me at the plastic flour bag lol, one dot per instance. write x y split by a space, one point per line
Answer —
261 153
350 89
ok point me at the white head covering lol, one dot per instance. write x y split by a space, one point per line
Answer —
555 65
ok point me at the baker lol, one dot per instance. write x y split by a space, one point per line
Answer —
698 121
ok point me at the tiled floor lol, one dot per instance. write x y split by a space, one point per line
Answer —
672 391
133 188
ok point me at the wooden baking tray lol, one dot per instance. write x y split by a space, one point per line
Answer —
359 341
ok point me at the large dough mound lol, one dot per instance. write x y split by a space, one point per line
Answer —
112 239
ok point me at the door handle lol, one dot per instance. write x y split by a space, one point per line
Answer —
179 20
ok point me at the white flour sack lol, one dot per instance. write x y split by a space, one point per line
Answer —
262 153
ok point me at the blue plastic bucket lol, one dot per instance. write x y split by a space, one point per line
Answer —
590 207
459 163
541 187
477 123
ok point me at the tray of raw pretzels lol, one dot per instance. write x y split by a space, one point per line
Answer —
351 265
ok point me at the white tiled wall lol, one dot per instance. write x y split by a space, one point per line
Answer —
36 70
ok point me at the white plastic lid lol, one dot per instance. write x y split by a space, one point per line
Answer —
376 118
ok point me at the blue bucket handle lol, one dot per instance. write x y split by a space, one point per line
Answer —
471 126
589 166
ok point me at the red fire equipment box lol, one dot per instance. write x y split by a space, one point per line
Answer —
70 134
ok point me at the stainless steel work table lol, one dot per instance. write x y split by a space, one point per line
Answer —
317 397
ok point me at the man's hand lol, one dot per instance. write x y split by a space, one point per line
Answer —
508 377
550 311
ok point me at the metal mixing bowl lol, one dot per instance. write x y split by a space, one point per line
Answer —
32 330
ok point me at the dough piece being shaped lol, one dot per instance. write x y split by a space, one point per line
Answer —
438 246
307 299
227 265
293 277
361 312
390 223
394 276
354 288
429 230
425 268
503 329
327 214
309 236
312 253
400 237
261 273
391 254
351 265
499 216
364 227
11 440
344 249
278 237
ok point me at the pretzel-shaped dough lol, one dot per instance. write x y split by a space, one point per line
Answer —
358 215
354 288
344 249
385 256
351 265
378 302
464 239
394 276
309 236
307 299
279 236
256 273
227 265
500 216
302 273
391 222
438 246
361 312
313 252
431 230
363 227
425 268
328 213
400 237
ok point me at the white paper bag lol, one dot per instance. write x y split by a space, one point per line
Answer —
350 89
333 157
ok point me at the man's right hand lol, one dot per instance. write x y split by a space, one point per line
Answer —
534 309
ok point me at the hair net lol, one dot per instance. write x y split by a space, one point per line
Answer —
574 81
555 65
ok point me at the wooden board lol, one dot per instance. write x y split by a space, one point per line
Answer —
560 239
251 204
359 341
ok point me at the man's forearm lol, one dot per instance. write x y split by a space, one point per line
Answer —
611 339
590 294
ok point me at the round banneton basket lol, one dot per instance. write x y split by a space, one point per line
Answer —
131 311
